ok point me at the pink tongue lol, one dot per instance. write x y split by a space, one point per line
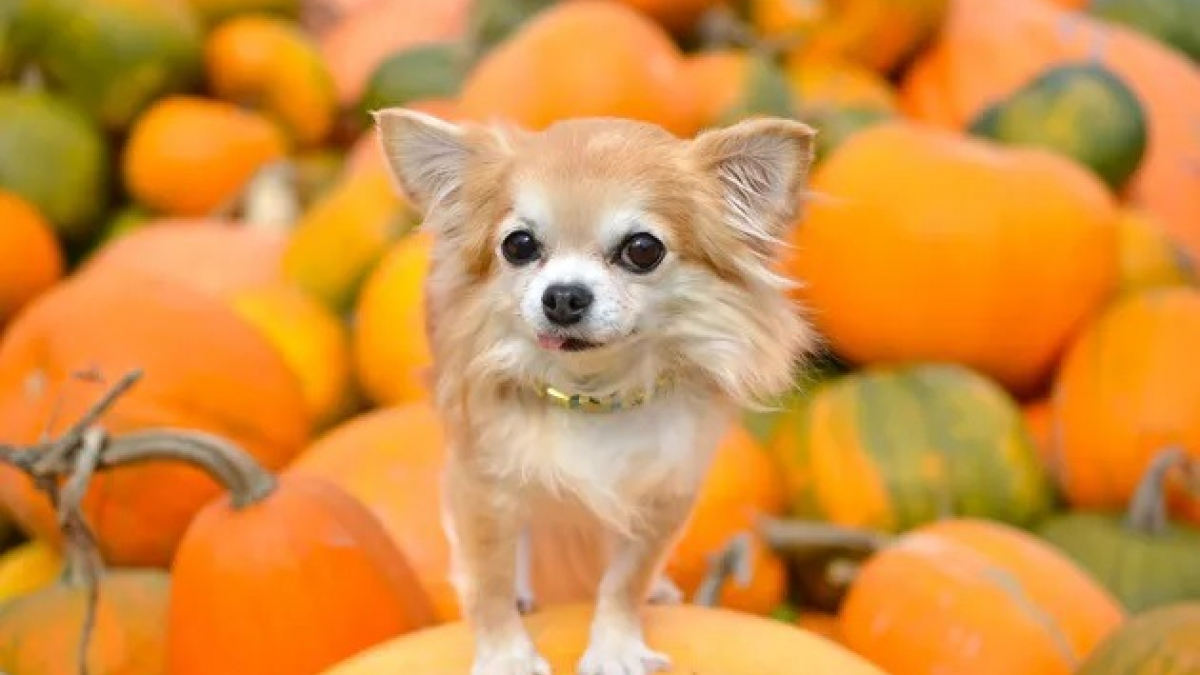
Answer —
551 342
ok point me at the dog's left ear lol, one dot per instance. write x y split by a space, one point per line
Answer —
762 168
426 155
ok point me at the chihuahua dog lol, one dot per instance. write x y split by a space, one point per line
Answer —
602 298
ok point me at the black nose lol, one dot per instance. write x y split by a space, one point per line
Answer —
566 304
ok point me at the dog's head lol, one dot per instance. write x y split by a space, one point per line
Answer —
607 250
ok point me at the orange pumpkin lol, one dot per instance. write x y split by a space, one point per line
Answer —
743 483
189 156
1149 256
243 267
990 48
675 15
369 32
31 259
974 596
204 368
699 640
396 479
39 632
821 623
343 235
213 256
876 33
1128 387
954 263
582 58
315 580
391 350
269 62
28 568
313 340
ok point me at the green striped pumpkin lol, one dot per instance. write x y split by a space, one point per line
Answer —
1141 556
894 448
1161 641
110 58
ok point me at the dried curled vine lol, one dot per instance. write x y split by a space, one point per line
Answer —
62 468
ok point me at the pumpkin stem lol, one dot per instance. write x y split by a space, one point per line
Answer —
731 560
32 79
83 565
804 536
1148 509
246 480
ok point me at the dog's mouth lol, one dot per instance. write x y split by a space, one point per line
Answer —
566 344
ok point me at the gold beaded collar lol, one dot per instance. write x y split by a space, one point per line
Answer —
601 404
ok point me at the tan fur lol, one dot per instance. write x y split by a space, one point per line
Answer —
714 316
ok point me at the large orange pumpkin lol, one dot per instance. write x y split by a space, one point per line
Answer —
390 459
287 576
699 640
204 368
243 266
1128 388
31 259
973 596
919 251
989 48
582 58
189 156
39 632
214 256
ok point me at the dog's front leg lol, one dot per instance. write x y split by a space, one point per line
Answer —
616 645
485 526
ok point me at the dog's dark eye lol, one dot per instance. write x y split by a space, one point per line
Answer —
520 247
642 252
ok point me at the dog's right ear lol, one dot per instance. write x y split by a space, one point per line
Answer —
427 156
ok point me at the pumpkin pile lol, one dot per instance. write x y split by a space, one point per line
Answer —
993 466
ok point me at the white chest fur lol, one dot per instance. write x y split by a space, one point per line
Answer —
574 464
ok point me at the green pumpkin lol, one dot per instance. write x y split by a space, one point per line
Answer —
1175 23
434 70
891 448
111 58
1142 557
810 373
1081 110
1162 641
766 94
54 156
835 125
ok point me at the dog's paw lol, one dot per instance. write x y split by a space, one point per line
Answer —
622 656
664 592
517 659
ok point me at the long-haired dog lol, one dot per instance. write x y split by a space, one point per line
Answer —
603 298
